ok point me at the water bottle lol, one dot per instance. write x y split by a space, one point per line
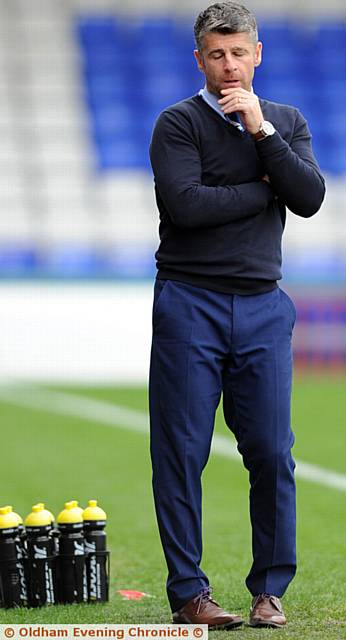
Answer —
97 556
53 531
21 548
41 563
72 570
13 592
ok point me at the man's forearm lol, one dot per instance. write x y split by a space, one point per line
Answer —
198 206
295 181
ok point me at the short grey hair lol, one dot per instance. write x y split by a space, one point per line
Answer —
225 17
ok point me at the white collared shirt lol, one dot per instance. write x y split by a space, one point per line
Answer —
212 101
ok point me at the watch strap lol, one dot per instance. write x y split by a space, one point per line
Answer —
265 131
259 135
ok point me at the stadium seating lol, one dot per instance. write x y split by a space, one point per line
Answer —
302 65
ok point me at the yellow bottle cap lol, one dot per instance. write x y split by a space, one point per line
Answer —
49 513
74 503
38 517
93 512
19 518
71 514
8 519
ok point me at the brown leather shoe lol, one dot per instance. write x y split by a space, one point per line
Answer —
203 610
266 611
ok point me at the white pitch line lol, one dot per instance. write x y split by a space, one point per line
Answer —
117 416
74 405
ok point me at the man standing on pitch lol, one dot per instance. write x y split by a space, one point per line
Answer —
226 166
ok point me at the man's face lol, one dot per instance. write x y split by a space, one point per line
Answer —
228 60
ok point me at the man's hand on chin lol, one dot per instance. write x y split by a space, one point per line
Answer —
246 104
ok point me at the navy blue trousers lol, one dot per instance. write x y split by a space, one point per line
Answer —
206 344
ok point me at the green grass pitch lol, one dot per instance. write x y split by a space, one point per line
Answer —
54 458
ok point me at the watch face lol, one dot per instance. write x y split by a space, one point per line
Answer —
267 128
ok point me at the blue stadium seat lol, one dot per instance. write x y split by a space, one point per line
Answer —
168 84
107 93
276 33
123 154
104 61
132 262
332 35
95 30
167 59
75 260
184 38
111 117
149 29
19 260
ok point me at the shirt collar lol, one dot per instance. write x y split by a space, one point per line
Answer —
212 100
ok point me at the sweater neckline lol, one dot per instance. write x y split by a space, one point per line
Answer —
230 127
197 98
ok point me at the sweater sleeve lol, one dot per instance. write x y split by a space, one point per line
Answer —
176 163
293 170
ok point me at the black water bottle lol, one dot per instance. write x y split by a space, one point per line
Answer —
97 556
41 560
22 559
71 566
13 591
53 531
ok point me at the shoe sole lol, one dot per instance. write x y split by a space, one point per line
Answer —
225 627
216 627
267 625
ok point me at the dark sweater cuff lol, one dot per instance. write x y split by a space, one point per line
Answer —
271 145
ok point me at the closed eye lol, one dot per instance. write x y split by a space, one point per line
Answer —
239 52
215 55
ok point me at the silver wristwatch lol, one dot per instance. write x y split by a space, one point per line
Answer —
266 129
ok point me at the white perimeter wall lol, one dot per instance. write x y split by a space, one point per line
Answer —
75 333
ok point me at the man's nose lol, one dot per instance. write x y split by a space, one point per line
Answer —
230 63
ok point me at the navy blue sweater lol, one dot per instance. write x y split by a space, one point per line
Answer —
220 224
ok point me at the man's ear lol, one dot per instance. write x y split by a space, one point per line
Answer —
258 54
199 60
